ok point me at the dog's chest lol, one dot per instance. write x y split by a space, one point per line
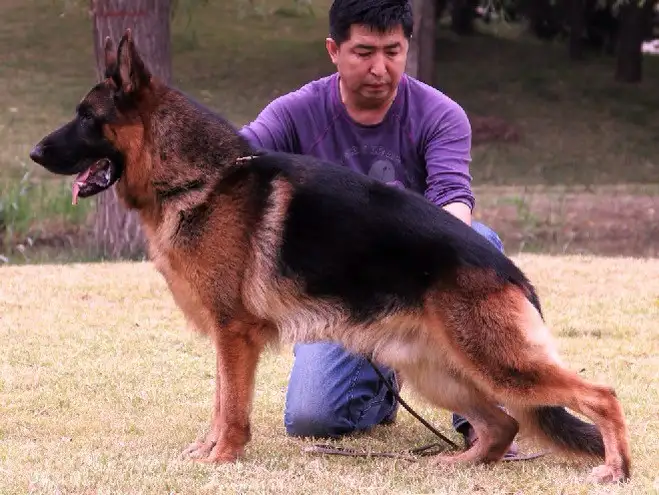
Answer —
186 297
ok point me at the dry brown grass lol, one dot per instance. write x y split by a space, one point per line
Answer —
101 387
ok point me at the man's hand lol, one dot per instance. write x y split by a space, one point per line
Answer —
460 210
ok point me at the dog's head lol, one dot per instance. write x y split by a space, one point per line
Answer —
89 146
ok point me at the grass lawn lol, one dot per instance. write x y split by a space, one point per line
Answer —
575 127
101 387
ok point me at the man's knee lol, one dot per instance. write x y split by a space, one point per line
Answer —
332 393
319 390
488 233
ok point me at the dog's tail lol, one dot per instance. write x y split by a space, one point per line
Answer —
556 427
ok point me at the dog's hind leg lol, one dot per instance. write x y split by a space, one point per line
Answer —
503 345
238 347
541 413
495 429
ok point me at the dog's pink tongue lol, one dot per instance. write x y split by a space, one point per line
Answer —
79 180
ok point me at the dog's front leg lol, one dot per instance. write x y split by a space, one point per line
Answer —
238 348
203 447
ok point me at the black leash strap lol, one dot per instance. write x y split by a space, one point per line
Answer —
426 450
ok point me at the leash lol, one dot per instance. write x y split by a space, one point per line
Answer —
412 454
410 410
409 455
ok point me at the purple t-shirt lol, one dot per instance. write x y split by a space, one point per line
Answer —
422 144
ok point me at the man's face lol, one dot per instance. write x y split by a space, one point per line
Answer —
370 64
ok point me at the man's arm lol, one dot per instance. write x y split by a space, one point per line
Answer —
460 210
448 155
274 128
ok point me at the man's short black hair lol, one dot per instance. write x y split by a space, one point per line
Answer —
379 15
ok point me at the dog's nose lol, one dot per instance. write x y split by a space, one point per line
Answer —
37 154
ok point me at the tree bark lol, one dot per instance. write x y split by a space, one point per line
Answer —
421 58
542 18
117 232
462 16
634 18
577 10
440 7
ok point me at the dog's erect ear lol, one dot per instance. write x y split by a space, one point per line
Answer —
110 57
133 74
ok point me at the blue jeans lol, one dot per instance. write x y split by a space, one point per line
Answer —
332 393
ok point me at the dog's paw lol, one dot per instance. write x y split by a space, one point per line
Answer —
198 449
221 453
606 474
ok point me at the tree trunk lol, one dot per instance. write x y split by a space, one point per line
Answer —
421 59
542 18
117 232
462 16
634 18
577 10
440 7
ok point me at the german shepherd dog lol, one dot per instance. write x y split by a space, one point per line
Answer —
259 247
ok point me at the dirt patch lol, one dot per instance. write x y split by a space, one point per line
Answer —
57 243
489 128
606 223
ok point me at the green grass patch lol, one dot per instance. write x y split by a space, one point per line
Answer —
31 210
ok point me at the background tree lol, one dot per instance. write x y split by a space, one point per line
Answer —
421 59
117 232
636 18
463 13
577 22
